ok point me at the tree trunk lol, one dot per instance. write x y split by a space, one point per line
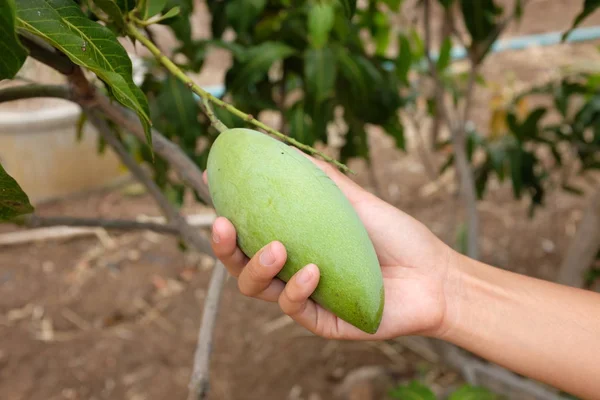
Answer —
583 246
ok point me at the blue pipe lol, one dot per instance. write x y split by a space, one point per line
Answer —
516 43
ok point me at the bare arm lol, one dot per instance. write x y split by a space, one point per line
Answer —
539 329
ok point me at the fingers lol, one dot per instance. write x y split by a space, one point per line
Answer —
224 245
295 302
257 278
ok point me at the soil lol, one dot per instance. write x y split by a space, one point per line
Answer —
117 317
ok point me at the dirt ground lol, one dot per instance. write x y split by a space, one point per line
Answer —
117 317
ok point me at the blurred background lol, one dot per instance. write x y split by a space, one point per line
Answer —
87 314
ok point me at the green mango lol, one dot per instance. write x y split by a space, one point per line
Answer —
269 191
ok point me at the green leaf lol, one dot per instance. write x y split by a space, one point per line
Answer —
89 44
173 12
354 75
320 72
529 128
177 112
381 33
299 124
412 391
444 58
446 3
321 17
13 200
404 60
259 60
516 165
395 129
468 392
154 7
480 18
112 9
241 14
589 6
13 53
349 7
357 144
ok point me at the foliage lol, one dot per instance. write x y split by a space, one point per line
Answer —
13 201
416 390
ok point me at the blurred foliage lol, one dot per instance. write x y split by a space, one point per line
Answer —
415 390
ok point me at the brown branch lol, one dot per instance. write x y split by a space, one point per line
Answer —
199 381
36 221
47 55
34 90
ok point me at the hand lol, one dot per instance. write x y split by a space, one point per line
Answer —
414 263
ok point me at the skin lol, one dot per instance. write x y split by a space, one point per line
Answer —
539 329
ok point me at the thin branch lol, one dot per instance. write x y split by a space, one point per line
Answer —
199 381
214 121
189 235
178 73
47 55
34 90
36 221
187 170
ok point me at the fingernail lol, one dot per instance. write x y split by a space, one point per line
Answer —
266 257
305 275
215 236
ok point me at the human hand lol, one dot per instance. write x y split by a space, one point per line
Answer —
415 266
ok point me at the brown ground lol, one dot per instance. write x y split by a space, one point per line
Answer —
86 319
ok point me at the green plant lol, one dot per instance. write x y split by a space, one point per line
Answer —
415 390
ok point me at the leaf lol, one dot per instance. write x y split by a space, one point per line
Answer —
513 124
241 14
88 44
468 392
412 391
13 53
349 7
177 112
404 60
321 17
126 5
516 165
444 58
154 7
180 24
589 6
320 72
353 73
394 5
572 189
446 3
529 127
259 60
395 129
299 124
357 144
480 18
112 9
13 200
381 33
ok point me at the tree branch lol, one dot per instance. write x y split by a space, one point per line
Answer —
47 55
458 130
34 90
199 381
178 73
36 221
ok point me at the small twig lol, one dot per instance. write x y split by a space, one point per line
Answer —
214 121
199 382
178 73
35 221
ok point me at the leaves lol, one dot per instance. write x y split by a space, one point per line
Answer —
112 9
480 18
154 7
259 61
468 392
404 59
412 391
589 6
13 53
13 200
395 129
299 124
349 7
241 14
86 43
320 73
444 58
321 17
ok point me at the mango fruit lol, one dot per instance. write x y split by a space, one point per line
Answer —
269 191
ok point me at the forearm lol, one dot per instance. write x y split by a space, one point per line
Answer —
539 329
